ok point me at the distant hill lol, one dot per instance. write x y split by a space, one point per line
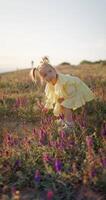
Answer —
102 62
84 69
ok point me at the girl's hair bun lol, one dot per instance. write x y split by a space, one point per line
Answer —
45 60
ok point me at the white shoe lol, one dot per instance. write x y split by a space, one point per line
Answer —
59 122
69 124
69 127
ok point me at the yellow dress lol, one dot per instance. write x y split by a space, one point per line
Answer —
74 91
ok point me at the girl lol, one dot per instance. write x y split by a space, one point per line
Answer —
64 93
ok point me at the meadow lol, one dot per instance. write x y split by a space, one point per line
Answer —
38 161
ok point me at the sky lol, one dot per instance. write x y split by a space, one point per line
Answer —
63 30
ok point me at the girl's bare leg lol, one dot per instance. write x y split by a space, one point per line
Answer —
67 114
68 123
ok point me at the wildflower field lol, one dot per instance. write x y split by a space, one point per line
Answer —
38 160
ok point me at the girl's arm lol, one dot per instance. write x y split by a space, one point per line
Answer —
60 100
48 104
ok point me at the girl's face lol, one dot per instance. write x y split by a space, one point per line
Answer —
48 73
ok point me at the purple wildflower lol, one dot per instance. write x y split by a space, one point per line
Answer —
46 157
17 164
72 142
37 176
61 145
93 173
9 137
50 195
83 123
21 101
103 130
42 136
57 144
13 189
62 134
17 103
34 132
103 161
52 143
24 101
58 165
89 141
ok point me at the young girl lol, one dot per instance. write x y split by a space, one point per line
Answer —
64 93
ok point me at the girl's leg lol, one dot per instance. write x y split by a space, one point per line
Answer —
68 114
68 117
68 123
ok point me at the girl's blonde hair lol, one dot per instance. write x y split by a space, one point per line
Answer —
35 74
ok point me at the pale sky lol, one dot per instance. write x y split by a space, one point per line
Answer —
64 30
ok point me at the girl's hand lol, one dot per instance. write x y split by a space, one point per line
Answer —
45 110
60 100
